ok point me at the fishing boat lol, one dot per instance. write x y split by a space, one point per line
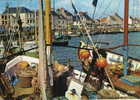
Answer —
60 40
27 77
122 72
16 82
81 85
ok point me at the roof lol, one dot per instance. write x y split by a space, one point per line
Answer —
55 14
68 13
118 17
15 9
84 14
113 18
137 19
65 11
103 20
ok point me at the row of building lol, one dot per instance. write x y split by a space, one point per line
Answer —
61 19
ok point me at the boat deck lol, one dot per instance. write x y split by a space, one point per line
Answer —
132 90
123 86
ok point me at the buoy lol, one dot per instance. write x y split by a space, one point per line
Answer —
101 62
84 54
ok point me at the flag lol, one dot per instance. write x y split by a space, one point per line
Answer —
94 3
75 11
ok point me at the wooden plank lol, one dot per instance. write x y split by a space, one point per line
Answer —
23 91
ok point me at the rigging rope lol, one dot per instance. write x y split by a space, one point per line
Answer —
103 13
107 49
85 28
103 36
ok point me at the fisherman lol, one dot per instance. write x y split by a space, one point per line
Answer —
96 70
60 81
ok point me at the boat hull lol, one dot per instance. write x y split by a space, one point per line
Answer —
60 43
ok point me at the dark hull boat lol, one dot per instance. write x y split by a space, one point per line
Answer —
61 42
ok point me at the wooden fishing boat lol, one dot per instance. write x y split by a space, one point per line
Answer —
112 73
120 71
60 40
18 77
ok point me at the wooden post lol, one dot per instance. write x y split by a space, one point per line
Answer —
48 36
48 22
42 69
125 60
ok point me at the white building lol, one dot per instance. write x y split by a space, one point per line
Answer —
10 14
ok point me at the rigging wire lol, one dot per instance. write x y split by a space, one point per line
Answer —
100 24
79 22
103 13
74 47
99 5
103 36
88 34
8 36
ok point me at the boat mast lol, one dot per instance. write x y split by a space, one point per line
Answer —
19 22
48 23
48 37
126 13
42 69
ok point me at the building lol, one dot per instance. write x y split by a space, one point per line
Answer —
19 18
66 14
112 20
10 14
85 17
59 22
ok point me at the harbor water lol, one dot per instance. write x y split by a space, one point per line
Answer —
62 54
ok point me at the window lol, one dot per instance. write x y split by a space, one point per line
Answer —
2 22
2 16
5 17
28 21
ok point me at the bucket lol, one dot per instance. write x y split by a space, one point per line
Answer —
24 79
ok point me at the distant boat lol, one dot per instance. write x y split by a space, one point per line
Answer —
61 40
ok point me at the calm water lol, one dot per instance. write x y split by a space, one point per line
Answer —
63 54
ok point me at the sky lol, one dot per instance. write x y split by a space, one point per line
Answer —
104 7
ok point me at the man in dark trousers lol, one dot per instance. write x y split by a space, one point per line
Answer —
97 71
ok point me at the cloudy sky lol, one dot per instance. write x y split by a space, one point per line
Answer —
104 7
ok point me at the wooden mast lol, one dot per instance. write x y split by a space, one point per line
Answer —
42 69
126 13
48 22
48 37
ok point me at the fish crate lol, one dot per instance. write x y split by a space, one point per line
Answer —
131 80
